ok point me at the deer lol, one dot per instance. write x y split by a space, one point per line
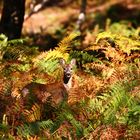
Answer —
57 92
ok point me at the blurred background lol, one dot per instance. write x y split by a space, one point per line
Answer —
47 21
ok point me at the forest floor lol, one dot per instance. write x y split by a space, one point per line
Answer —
52 18
48 20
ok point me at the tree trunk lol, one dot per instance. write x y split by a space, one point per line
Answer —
12 18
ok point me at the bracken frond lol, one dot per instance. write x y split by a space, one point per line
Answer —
65 44
33 114
124 43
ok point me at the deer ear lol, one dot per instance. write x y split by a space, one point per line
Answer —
73 62
62 62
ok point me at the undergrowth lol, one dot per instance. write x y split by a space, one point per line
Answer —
104 103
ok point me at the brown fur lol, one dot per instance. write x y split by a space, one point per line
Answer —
56 92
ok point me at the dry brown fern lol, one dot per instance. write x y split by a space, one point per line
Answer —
87 87
34 114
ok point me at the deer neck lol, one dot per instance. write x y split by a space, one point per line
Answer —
68 83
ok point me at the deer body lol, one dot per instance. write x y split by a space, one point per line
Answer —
57 92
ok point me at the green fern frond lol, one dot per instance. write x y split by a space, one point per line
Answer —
48 61
20 52
58 121
123 28
117 105
4 130
26 131
76 124
45 124
83 56
16 41
31 129
15 49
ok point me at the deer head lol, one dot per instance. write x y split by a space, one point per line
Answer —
68 69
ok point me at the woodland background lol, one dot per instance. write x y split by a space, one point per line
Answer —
105 100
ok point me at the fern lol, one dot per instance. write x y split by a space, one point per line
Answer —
33 114
4 129
123 28
26 131
65 44
67 116
48 61
3 45
5 88
32 129
125 44
59 120
83 56
106 97
15 49
77 125
114 105
45 124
